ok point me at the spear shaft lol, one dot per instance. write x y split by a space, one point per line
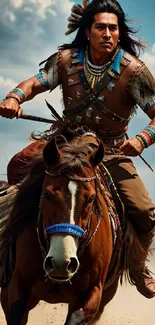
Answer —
146 162
45 120
36 118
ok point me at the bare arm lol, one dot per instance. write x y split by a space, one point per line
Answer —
10 107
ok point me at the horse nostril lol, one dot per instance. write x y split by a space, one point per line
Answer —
72 265
48 264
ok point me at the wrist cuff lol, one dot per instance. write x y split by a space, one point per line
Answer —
147 136
18 94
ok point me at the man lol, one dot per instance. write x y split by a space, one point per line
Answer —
102 81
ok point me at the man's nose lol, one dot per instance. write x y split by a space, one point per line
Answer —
107 33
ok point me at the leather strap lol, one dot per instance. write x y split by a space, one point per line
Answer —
94 93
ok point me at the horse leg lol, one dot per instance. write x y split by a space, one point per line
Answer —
84 311
6 309
16 312
31 305
76 318
107 296
17 300
4 300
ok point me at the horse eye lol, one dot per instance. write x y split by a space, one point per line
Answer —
91 199
47 196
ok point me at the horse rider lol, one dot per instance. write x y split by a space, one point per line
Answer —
103 81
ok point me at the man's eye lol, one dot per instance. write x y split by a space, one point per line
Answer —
113 28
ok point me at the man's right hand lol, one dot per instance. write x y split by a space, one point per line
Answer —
10 108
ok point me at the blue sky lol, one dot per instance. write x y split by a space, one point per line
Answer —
143 11
30 31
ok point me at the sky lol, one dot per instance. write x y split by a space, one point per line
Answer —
30 31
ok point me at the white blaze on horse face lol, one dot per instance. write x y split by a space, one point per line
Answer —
62 260
72 186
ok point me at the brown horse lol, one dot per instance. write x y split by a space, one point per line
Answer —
57 241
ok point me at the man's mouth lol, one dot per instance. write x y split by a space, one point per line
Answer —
106 43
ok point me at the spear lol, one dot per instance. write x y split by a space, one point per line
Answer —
147 164
36 118
42 119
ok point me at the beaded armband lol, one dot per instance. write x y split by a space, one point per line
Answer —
43 78
147 136
18 94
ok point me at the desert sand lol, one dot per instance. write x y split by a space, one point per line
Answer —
127 308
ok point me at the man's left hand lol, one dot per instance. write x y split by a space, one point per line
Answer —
132 147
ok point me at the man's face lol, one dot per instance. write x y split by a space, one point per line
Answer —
104 33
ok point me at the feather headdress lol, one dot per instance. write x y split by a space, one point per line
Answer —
75 17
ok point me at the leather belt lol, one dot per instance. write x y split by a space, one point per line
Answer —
113 140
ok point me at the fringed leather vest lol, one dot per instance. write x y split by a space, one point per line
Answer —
108 107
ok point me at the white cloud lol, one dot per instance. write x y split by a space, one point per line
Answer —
65 7
9 14
28 9
7 83
16 3
42 8
149 59
153 48
36 39
51 11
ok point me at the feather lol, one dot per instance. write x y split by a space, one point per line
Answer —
77 9
75 16
70 30
71 19
72 25
53 111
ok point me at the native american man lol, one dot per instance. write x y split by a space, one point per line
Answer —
102 81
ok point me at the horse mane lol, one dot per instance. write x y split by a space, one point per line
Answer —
25 197
24 203
74 156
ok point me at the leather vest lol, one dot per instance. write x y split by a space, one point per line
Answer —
116 100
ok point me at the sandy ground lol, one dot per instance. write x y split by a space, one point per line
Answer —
128 307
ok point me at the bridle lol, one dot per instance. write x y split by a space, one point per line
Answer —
73 229
73 178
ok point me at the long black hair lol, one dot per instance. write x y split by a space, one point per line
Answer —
129 44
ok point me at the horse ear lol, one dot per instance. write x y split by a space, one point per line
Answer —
51 153
96 157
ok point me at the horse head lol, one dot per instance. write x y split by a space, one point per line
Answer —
68 196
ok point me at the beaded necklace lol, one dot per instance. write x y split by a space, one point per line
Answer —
94 73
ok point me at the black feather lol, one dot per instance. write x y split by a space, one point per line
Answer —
53 111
